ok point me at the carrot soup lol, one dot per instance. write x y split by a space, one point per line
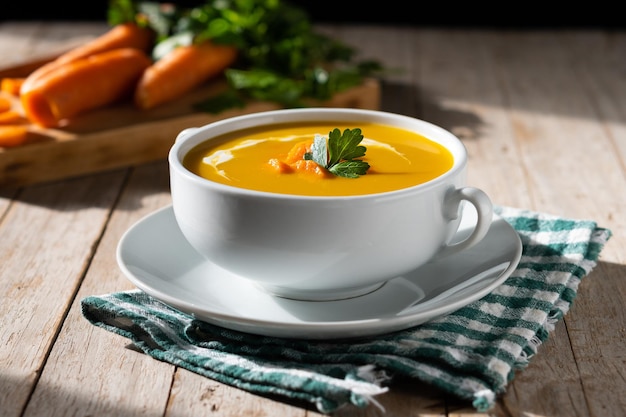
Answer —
271 159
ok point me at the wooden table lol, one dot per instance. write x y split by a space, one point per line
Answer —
543 116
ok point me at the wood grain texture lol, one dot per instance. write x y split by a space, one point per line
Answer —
40 275
95 372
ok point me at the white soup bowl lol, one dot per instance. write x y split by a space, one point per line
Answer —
323 248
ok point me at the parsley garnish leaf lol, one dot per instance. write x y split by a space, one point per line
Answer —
344 146
339 154
350 169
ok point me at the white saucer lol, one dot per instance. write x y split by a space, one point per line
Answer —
155 256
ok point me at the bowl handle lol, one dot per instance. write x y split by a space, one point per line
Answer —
484 214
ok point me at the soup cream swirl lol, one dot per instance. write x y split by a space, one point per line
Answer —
224 155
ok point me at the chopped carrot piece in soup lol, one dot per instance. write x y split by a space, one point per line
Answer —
295 162
307 165
280 166
297 152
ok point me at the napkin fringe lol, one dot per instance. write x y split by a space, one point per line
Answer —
373 375
484 400
376 377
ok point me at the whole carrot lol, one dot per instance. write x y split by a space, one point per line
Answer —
12 117
13 135
5 104
123 35
11 85
83 84
180 71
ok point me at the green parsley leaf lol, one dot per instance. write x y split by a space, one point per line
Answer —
344 146
350 169
339 154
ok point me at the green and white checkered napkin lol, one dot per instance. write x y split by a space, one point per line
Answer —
471 353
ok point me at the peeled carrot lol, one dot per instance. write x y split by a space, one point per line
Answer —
12 117
13 135
11 85
180 71
124 35
83 84
5 104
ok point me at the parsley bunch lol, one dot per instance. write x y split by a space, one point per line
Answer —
282 59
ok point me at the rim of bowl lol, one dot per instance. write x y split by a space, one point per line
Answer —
197 135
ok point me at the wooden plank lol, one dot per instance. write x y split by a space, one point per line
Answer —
596 328
470 104
508 158
91 371
46 242
42 262
195 395
551 113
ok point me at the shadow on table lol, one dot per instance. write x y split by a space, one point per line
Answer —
419 103
122 188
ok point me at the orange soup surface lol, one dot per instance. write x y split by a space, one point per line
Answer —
247 159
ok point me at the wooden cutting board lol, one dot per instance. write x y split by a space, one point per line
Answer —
121 135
